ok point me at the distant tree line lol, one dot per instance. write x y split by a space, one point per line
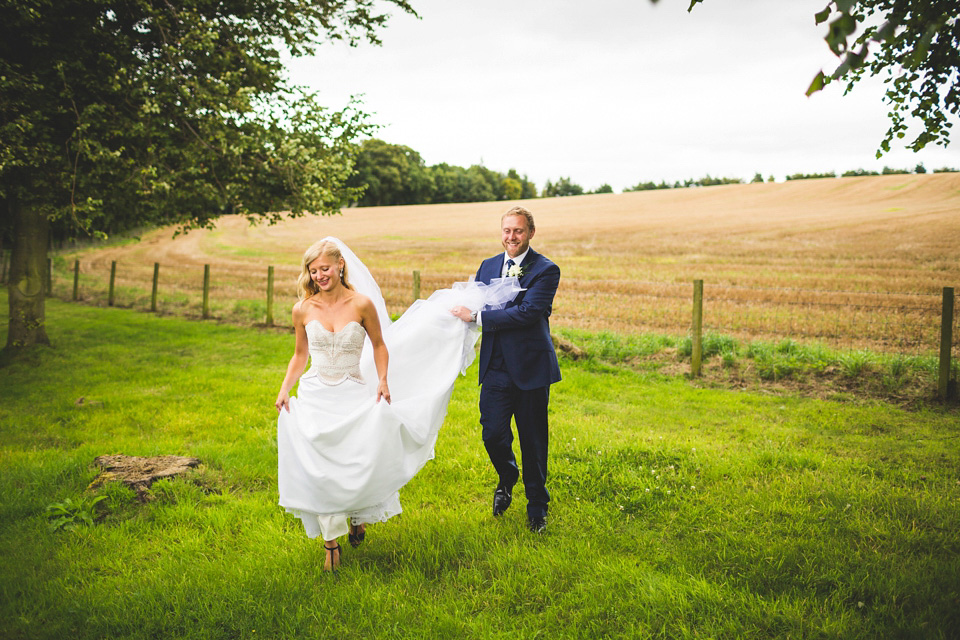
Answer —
394 174
811 176
887 171
565 187
706 181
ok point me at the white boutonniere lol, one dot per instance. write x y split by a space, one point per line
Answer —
515 271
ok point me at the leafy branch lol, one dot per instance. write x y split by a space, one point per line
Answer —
913 44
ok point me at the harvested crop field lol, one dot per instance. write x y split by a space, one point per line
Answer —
855 262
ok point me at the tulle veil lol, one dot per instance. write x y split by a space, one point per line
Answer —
474 295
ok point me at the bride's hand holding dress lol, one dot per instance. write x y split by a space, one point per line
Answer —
371 324
298 362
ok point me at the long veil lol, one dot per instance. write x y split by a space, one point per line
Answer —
362 280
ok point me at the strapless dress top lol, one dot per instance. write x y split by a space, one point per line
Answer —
335 355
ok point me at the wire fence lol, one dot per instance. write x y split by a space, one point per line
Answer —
908 323
905 323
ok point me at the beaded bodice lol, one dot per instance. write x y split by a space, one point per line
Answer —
335 355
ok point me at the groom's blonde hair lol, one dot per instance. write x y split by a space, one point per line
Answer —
306 287
520 211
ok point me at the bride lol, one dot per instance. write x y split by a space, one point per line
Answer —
346 444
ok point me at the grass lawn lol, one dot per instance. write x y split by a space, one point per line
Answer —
678 512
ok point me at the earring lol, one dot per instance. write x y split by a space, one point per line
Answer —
341 274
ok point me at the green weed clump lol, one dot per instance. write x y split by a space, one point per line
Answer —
712 344
606 346
785 359
855 363
70 514
898 366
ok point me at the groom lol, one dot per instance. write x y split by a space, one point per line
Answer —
517 366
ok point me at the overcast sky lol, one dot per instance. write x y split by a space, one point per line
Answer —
614 91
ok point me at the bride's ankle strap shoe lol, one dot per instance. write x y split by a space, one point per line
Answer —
334 560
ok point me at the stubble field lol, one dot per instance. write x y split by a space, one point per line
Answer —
853 262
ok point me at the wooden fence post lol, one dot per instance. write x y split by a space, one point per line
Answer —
49 276
76 280
156 280
946 342
206 291
696 358
416 285
113 278
270 296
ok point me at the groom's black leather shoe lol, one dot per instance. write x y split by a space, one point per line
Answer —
502 498
537 524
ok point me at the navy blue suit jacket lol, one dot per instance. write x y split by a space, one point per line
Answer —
523 325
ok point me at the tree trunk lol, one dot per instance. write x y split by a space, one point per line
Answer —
28 264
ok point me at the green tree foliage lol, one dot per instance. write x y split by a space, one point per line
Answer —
119 114
512 189
709 181
391 174
562 187
706 181
456 184
649 186
449 183
394 174
811 176
483 184
604 188
527 188
914 45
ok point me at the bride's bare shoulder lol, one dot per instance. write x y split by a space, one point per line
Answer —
300 308
360 299
363 304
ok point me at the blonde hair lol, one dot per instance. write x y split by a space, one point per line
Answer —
306 287
523 212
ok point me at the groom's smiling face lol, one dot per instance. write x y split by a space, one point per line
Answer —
516 235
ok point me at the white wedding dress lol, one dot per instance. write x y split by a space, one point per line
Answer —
341 453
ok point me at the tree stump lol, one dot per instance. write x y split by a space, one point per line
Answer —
573 351
139 473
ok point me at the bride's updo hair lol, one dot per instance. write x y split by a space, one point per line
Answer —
306 287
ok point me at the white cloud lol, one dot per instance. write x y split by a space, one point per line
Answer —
613 91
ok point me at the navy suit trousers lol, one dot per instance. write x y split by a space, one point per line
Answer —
501 400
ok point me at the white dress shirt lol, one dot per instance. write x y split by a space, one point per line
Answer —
517 261
503 272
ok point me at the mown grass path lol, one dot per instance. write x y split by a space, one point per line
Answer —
677 512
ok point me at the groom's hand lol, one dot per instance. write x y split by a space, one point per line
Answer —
463 313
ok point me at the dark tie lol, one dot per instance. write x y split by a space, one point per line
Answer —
510 264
